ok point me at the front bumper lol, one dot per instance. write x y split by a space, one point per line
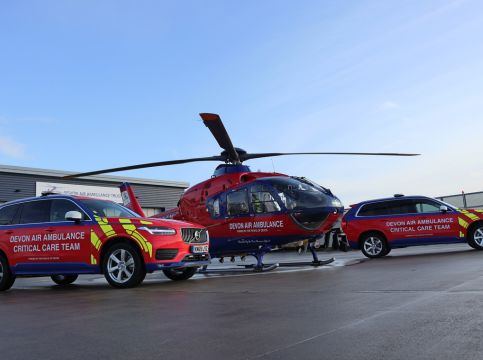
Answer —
187 262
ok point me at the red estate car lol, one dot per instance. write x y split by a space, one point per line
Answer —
64 236
377 226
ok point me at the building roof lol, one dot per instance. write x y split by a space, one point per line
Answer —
117 179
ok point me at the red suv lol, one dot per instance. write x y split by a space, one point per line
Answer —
377 226
64 236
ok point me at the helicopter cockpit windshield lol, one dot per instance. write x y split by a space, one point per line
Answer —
299 193
308 203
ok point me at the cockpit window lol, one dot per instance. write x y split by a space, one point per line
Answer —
297 193
262 200
237 202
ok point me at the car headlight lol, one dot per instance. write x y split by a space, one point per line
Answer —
158 230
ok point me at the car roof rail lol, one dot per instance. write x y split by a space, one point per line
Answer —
398 195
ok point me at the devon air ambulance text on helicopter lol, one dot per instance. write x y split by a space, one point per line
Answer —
25 242
256 226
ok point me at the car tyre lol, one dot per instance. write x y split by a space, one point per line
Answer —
123 266
64 279
374 245
475 237
7 278
179 274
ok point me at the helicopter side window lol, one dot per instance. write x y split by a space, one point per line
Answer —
262 200
237 202
214 207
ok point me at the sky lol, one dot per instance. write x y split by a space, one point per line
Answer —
87 85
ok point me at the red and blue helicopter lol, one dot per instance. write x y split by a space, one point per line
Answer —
246 212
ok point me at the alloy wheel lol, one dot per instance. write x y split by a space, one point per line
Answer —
120 266
373 246
478 236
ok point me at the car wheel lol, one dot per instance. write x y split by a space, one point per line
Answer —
374 246
6 277
180 273
123 266
64 279
475 237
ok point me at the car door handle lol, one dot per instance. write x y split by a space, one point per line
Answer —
8 232
50 229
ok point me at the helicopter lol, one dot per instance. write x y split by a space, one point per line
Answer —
249 213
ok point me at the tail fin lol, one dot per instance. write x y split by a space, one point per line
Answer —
129 199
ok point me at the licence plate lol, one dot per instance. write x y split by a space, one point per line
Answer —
199 249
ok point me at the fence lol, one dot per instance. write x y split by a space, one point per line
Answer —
463 201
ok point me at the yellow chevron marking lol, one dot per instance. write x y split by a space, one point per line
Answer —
133 231
105 227
93 260
463 223
470 215
462 235
95 240
144 222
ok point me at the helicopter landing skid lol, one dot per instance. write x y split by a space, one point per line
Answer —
264 268
315 263
241 269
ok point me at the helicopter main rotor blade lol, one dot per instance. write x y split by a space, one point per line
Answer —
214 123
146 165
245 157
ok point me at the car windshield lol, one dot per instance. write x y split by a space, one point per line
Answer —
298 193
107 208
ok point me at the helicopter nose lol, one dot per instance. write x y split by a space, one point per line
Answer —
314 218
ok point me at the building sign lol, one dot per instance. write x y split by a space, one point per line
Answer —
98 192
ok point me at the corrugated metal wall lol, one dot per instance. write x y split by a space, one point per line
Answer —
17 186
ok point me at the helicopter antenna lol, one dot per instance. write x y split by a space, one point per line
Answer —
273 165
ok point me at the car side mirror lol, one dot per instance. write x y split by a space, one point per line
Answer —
73 216
443 208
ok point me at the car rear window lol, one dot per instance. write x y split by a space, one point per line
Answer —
7 214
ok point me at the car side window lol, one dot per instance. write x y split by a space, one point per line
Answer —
427 206
7 214
399 207
375 209
392 207
237 202
60 207
34 212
